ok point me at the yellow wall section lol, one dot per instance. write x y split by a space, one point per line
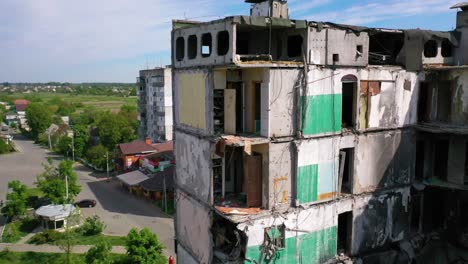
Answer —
192 99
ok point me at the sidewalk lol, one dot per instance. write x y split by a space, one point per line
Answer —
52 249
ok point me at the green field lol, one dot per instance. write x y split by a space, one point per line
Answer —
112 103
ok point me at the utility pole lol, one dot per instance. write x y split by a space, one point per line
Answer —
165 193
107 164
50 143
66 186
73 147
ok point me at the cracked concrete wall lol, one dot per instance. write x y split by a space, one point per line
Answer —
193 229
380 219
193 170
280 175
327 42
383 160
282 106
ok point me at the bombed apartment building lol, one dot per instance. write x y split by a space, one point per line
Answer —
155 111
313 142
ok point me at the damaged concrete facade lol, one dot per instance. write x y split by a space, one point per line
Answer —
155 111
296 141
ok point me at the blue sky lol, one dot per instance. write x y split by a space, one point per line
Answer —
110 40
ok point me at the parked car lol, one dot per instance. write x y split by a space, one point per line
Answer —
4 128
86 203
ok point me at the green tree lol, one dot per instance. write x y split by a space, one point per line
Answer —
52 182
4 147
81 134
17 198
99 254
64 145
143 247
92 226
97 156
129 112
39 118
133 92
114 129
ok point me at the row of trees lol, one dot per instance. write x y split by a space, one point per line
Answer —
95 131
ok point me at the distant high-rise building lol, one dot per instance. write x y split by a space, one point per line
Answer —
154 91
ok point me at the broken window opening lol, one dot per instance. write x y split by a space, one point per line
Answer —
229 243
274 240
345 225
218 111
424 102
384 48
257 107
434 210
295 46
346 171
431 49
444 101
348 108
223 43
206 45
243 179
192 47
180 49
336 58
466 165
447 48
359 51
441 150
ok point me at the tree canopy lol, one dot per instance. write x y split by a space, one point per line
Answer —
114 129
52 182
99 254
97 156
39 118
16 204
143 247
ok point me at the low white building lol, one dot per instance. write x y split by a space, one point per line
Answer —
58 217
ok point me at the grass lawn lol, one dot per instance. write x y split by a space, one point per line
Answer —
170 206
80 239
93 240
103 102
8 257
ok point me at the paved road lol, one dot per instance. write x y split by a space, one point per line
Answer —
118 209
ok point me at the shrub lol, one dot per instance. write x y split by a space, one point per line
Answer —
144 247
92 226
11 233
99 254
46 237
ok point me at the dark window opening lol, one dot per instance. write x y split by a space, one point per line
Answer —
441 150
384 48
223 43
345 223
192 47
424 102
218 110
420 149
279 48
180 49
346 170
444 101
295 46
206 45
434 212
416 207
141 88
348 104
242 45
466 164
447 49
336 58
430 49
276 236
359 50
228 241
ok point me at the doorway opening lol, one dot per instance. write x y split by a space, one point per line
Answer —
346 170
348 107
345 224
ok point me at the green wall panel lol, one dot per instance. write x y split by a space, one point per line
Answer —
323 114
307 184
316 247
